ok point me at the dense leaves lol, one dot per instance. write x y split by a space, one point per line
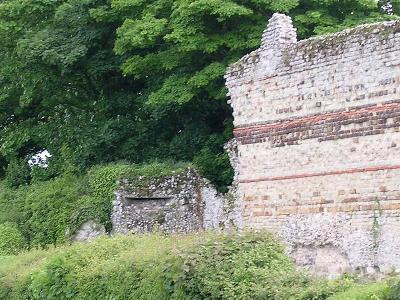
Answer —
11 239
95 81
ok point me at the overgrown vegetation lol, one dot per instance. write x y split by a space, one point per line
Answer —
201 266
11 239
48 212
95 82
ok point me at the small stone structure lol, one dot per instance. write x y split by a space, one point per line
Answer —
183 202
317 135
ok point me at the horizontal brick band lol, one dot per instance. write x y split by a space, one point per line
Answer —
370 106
305 175
304 210
368 120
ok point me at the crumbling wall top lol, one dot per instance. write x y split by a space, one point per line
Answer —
279 42
286 78
278 35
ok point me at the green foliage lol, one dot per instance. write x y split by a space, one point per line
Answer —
135 80
39 173
48 212
11 239
153 266
394 292
50 206
232 268
248 266
314 18
3 164
216 168
139 33
11 202
17 173
201 266
54 282
373 291
15 272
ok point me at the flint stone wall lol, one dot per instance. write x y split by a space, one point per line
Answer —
317 129
182 203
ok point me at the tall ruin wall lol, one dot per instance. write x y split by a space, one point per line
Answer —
317 127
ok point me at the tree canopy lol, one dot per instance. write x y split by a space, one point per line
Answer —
96 81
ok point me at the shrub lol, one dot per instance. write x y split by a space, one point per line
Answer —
166 267
50 206
39 173
17 173
372 291
228 267
245 266
394 289
53 282
117 268
215 167
16 271
323 289
12 202
11 239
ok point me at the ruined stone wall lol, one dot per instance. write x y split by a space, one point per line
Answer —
183 202
317 127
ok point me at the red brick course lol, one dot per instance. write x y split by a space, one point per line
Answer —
339 172
370 120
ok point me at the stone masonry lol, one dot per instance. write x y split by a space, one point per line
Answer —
317 129
183 202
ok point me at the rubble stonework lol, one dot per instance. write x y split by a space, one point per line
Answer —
184 202
317 128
